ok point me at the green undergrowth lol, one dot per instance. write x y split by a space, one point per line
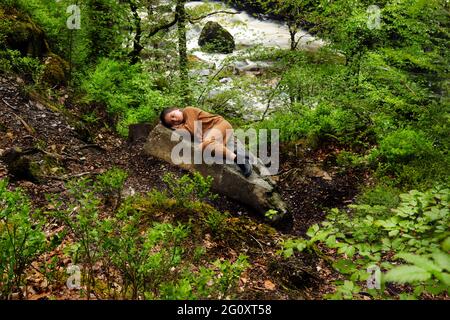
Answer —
160 245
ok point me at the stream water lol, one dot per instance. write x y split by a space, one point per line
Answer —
248 32
249 100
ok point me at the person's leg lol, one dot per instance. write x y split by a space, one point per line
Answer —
216 139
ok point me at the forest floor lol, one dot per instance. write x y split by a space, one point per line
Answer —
308 181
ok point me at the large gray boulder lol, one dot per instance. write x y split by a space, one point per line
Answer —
257 191
215 38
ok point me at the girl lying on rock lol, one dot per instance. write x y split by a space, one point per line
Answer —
212 131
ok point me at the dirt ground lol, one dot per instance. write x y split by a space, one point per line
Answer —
64 148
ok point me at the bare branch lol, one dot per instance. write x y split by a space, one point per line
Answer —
210 80
192 20
162 27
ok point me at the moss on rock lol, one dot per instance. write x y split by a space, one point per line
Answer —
22 33
56 70
215 38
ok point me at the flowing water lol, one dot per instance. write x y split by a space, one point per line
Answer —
248 32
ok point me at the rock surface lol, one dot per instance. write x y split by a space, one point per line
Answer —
257 191
215 38
23 34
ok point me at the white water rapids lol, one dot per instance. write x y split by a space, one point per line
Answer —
247 31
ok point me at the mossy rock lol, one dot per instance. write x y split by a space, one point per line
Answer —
5 26
23 34
215 38
20 164
56 70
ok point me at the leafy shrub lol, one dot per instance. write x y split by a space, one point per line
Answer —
141 256
347 159
5 27
325 122
381 195
13 61
80 215
21 239
188 188
411 158
126 91
110 184
404 145
139 260
216 282
215 221
428 273
373 234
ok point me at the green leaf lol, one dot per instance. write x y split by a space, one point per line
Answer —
404 274
444 277
347 250
301 246
288 252
436 289
442 259
446 244
312 230
331 241
405 296
393 233
420 261
345 266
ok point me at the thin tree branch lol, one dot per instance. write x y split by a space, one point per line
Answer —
193 20
162 27
210 80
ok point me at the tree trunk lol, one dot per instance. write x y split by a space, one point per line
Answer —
137 47
292 33
182 47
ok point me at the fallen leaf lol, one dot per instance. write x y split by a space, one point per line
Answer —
269 285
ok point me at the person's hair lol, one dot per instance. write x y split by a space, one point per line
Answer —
164 113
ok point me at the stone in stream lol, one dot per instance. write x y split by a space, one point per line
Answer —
250 66
215 38
257 191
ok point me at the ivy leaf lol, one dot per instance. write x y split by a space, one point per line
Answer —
403 274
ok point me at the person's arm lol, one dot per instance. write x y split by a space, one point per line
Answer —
198 113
